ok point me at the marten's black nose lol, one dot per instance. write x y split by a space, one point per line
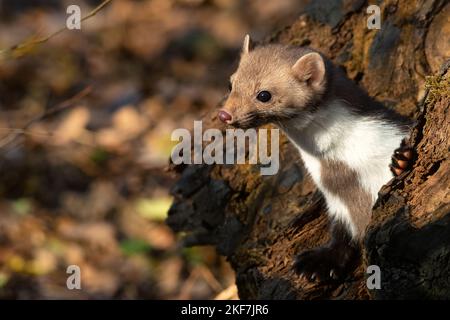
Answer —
224 116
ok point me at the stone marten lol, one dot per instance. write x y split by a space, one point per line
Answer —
350 144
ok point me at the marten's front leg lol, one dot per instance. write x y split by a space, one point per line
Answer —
332 262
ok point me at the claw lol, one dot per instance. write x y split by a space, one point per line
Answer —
333 274
396 171
408 154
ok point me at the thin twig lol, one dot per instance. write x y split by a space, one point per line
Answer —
7 52
16 132
96 10
60 107
229 293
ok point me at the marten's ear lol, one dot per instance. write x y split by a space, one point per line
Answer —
310 68
247 45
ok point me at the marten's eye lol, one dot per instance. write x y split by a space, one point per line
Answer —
264 96
230 86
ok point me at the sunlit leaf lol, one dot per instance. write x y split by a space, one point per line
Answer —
3 279
155 209
16 263
22 206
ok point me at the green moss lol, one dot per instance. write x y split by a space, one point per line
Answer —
134 246
437 86
22 206
193 256
99 156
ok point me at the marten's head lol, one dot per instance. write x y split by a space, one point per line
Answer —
273 83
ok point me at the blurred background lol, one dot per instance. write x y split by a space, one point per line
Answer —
85 125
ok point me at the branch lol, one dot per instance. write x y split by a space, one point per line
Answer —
15 132
26 46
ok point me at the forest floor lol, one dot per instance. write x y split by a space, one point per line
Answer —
85 125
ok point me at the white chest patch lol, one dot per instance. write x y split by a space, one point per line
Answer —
363 144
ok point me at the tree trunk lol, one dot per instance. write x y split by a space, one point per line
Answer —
261 223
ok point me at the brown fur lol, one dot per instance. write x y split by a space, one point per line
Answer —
269 68
336 174
273 68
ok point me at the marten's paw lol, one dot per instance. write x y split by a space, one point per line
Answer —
325 264
318 265
402 159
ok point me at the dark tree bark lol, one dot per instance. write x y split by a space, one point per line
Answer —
261 223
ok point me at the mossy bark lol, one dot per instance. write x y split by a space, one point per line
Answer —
261 223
